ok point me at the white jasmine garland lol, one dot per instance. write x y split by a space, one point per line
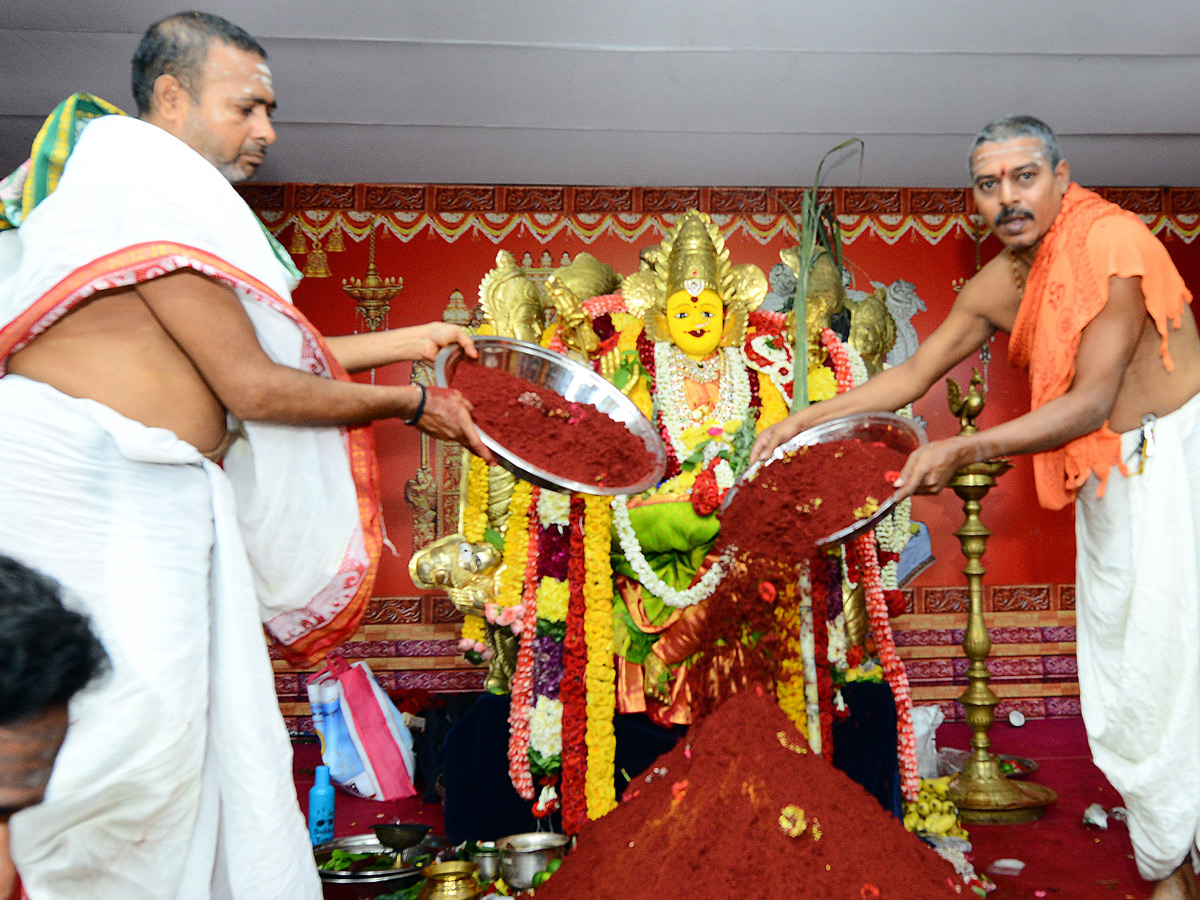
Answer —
724 473
837 642
545 727
858 369
887 576
553 508
632 548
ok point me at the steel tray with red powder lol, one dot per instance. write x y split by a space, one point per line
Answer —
823 487
552 421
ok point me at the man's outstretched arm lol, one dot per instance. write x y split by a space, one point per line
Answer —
208 323
969 324
359 352
1105 349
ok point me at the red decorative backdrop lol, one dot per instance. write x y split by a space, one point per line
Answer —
442 239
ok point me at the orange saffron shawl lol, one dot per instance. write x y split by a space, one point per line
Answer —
1090 241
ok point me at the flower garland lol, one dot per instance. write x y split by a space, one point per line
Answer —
867 564
474 525
819 575
574 686
521 699
789 685
632 549
510 584
674 415
553 601
808 657
600 675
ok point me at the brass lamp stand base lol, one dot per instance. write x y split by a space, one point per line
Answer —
982 793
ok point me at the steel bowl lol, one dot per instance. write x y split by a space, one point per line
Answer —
524 855
568 379
488 860
895 431
367 883
401 835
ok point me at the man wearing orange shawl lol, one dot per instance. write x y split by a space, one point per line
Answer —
1100 319
189 457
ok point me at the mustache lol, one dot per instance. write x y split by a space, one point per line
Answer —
1010 213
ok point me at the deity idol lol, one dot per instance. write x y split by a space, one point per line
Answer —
683 338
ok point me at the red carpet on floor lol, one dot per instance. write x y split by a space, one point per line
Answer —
1064 860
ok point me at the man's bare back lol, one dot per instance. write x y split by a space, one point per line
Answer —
113 350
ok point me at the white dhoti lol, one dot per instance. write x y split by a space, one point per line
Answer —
179 753
175 779
1138 632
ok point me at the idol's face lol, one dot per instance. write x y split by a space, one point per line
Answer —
1016 190
695 323
229 123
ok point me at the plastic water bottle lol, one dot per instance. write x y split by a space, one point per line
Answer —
320 808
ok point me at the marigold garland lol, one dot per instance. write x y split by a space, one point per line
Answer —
553 597
789 686
867 564
474 515
474 524
599 784
574 685
511 581
521 689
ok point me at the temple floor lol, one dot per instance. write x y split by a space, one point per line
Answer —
1064 860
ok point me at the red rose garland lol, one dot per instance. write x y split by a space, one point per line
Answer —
574 686
521 690
840 359
866 562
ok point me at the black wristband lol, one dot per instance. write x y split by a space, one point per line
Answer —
416 416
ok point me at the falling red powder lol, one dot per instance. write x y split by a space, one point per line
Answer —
796 501
761 816
573 441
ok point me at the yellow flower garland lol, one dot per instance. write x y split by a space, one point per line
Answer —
599 789
474 524
773 406
553 597
789 690
511 581
822 384
474 517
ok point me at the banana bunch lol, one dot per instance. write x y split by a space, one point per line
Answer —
932 813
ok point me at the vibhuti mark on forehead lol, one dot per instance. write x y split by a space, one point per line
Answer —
263 74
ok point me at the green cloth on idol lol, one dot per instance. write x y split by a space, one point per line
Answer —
675 541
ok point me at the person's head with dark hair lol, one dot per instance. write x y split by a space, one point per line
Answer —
48 653
1019 178
205 80
178 46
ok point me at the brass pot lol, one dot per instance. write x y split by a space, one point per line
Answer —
450 881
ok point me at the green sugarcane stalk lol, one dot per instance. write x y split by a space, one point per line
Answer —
816 224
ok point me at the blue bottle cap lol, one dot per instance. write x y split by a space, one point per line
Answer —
322 776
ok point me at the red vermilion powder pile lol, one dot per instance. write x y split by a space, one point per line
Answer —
703 823
574 441
800 499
